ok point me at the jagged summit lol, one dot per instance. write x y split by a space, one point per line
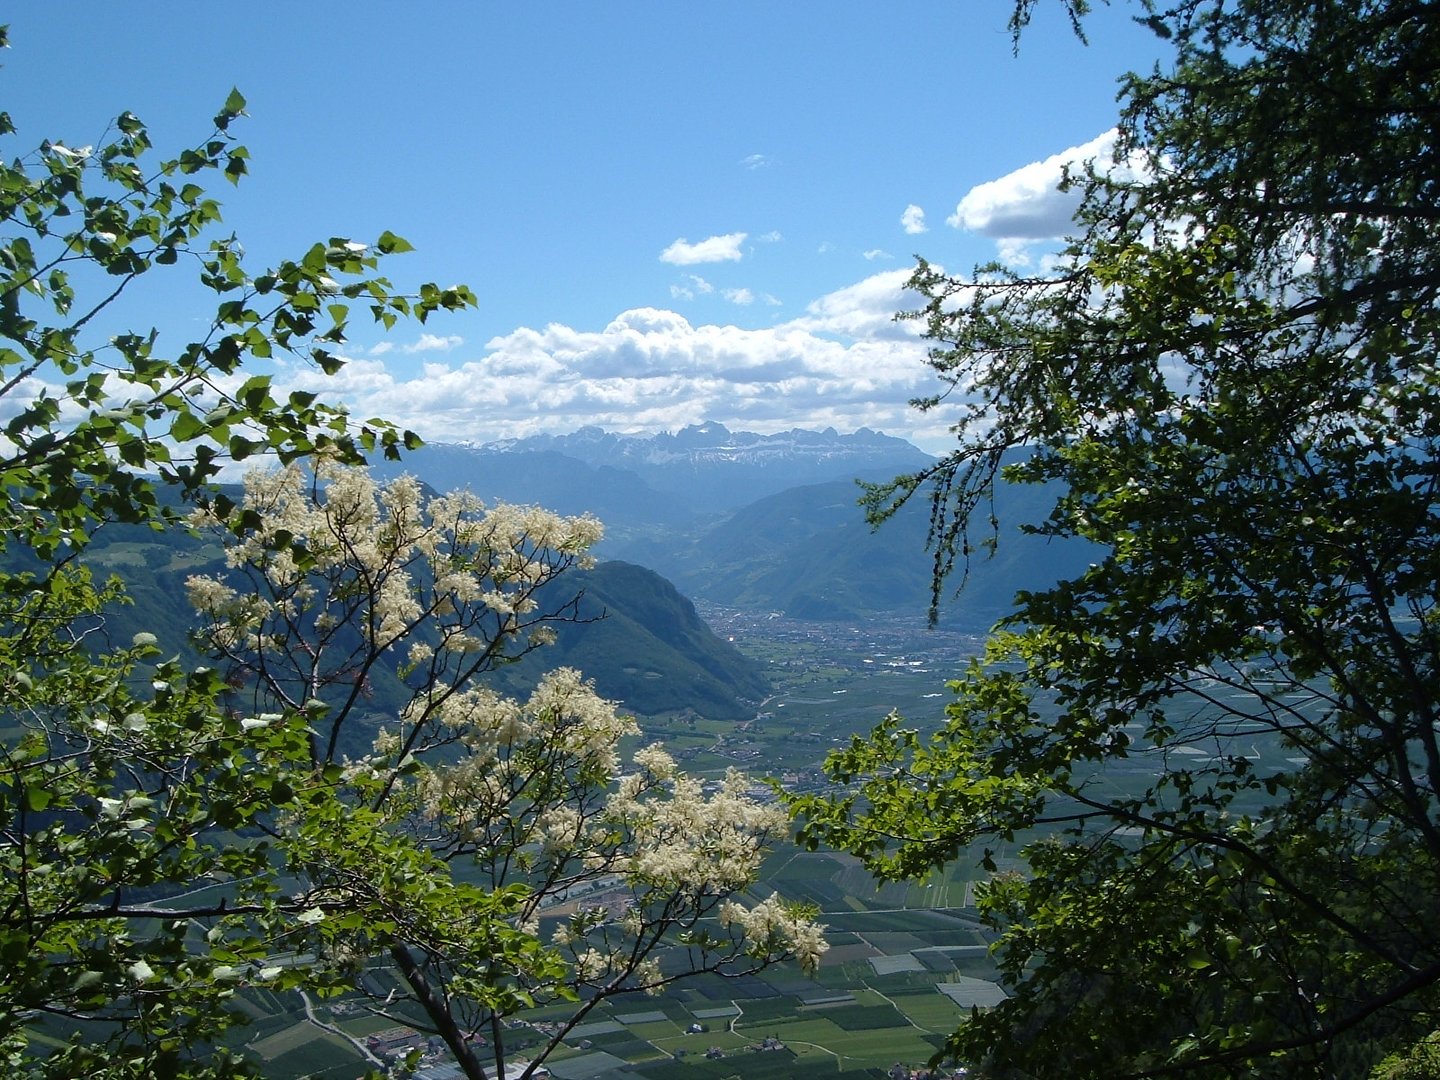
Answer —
705 466
714 442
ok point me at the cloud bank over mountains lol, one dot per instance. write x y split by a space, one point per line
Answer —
845 362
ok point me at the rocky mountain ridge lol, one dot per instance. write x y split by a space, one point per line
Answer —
704 468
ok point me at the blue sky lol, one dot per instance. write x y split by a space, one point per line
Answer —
669 212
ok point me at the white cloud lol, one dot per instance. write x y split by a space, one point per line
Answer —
381 348
697 286
755 161
865 311
825 247
771 237
1027 203
433 343
845 363
724 248
1014 251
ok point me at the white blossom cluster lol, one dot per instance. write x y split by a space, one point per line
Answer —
564 728
595 966
775 926
539 790
679 834
314 554
341 519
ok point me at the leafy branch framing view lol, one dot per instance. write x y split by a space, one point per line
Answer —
1229 378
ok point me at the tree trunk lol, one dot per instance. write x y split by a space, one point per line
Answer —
438 1012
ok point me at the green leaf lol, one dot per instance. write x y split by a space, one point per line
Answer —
390 244
186 426
233 107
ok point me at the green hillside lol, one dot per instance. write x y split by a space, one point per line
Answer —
642 643
645 646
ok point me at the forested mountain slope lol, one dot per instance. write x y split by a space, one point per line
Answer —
639 639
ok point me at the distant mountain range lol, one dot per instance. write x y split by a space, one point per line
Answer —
700 470
766 522
809 553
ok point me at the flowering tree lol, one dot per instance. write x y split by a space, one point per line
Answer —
145 823
445 832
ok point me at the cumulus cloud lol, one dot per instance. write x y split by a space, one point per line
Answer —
913 220
754 161
845 363
1028 204
877 253
1018 251
712 249
771 237
434 343
864 311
